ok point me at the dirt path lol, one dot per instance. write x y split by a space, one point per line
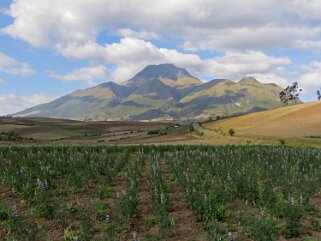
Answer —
144 209
186 227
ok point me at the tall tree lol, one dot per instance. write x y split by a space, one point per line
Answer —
290 95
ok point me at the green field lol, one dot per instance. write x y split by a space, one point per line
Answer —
160 193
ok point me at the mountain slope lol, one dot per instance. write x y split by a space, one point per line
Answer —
297 120
163 93
224 97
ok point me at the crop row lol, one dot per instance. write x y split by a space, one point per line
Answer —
93 193
276 182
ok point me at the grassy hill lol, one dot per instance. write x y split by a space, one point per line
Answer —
292 121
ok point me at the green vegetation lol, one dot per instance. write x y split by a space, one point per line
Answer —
94 192
12 136
231 132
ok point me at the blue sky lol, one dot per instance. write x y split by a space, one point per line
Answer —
49 48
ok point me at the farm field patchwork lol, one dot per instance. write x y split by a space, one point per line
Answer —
57 131
160 193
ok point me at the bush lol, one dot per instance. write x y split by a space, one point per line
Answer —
153 132
282 142
231 132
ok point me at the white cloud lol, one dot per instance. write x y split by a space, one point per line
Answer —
11 103
243 29
131 55
310 45
255 38
203 24
236 65
86 74
311 80
129 33
11 66
306 9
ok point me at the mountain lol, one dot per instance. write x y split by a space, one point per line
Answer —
168 74
291 121
161 93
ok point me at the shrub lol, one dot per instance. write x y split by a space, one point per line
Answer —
282 142
231 132
153 132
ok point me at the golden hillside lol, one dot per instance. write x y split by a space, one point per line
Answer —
298 120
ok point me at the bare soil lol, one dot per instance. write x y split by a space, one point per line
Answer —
186 226
144 209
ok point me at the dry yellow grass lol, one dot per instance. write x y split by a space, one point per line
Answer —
293 121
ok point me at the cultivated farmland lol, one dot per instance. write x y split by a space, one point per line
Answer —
160 193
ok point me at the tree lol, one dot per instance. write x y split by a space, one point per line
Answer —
290 95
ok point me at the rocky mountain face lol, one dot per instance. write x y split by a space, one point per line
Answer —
162 93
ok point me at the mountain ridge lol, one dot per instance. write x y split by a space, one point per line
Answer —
161 93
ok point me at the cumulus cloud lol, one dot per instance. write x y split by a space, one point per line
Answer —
130 55
255 38
306 9
11 103
86 74
204 24
11 66
129 33
242 29
236 65
309 45
311 80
